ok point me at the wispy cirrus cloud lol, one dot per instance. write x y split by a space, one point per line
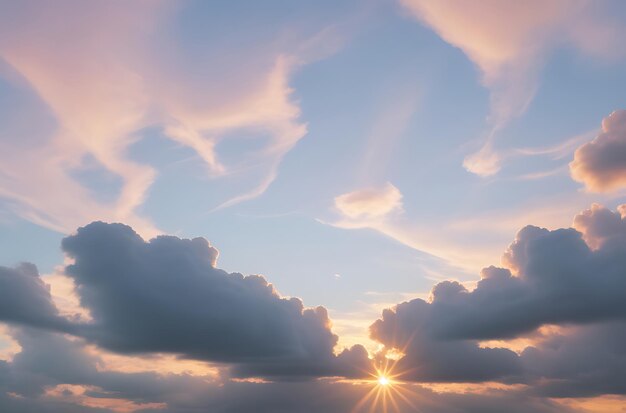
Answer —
103 74
509 42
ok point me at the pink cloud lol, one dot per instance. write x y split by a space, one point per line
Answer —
508 41
373 202
601 163
96 69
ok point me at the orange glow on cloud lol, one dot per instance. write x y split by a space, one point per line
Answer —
370 202
158 363
63 292
520 343
8 346
600 404
76 394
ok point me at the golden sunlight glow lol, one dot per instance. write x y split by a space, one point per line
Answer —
388 394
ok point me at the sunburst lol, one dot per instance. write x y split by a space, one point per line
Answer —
388 391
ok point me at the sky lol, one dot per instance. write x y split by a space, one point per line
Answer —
330 206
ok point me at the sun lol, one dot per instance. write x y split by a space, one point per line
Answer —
388 392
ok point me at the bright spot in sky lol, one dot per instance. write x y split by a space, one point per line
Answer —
383 381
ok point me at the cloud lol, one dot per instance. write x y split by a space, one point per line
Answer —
508 42
81 70
601 164
167 296
93 82
58 374
428 359
370 203
584 362
567 277
25 299
54 374
602 228
452 240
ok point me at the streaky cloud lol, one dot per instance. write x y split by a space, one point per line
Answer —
508 41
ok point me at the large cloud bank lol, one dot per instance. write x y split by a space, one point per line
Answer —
167 296
53 374
562 292
574 279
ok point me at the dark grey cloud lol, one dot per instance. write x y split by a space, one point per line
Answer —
585 362
50 359
35 369
26 299
429 358
569 277
553 277
166 295
337 397
601 163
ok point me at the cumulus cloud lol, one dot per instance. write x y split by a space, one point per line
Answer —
601 164
566 277
373 202
408 328
508 40
26 299
167 296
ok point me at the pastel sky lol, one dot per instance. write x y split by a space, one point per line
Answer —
234 206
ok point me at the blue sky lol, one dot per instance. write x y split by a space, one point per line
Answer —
384 99
444 128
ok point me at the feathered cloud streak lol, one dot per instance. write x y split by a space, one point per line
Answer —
508 41
100 74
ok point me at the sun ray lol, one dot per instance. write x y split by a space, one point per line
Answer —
389 392
364 400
